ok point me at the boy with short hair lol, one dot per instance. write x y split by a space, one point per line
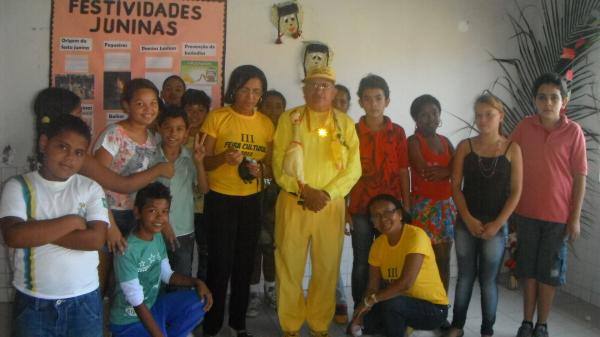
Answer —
173 127
384 162
56 220
138 309
196 104
550 206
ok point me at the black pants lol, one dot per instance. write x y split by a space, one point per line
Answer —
201 233
233 229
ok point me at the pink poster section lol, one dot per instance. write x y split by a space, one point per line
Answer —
97 46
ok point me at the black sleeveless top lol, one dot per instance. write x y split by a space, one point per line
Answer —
486 183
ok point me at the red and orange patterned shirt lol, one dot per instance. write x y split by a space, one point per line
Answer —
383 154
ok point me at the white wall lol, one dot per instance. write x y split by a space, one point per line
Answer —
415 45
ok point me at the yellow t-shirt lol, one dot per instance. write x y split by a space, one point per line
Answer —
320 170
251 135
390 261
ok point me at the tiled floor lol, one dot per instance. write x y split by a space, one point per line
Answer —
570 318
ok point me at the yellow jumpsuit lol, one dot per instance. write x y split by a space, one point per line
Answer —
297 230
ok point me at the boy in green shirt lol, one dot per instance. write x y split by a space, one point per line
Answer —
138 309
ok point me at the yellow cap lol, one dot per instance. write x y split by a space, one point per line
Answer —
326 73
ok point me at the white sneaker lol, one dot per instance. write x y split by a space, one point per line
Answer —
253 305
271 296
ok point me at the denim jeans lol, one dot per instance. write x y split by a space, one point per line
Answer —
391 317
176 313
482 259
363 235
79 316
181 259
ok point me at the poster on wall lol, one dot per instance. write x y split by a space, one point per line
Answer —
97 46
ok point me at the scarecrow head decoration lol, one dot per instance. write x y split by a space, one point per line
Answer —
287 17
316 55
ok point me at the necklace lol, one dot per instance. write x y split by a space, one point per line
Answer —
487 171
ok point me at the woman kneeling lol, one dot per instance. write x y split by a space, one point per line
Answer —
404 286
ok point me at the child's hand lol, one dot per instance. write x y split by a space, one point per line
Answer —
204 294
436 173
167 169
474 226
170 237
115 242
573 228
349 228
199 149
490 230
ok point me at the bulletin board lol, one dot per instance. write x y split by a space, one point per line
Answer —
98 45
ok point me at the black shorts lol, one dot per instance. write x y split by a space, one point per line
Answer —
541 250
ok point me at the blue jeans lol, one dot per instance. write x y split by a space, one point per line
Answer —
482 259
79 316
391 317
176 313
363 235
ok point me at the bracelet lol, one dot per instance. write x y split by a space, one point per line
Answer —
366 302
374 298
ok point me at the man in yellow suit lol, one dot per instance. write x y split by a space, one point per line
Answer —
316 161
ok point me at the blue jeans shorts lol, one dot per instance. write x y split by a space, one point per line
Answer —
541 250
79 316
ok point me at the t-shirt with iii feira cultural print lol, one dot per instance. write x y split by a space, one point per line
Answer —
251 135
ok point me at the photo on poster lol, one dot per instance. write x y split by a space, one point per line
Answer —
81 85
199 72
114 83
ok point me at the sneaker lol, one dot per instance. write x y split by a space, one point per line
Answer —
253 305
341 314
271 296
541 330
526 330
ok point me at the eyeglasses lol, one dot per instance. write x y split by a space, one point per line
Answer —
248 91
319 85
388 213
